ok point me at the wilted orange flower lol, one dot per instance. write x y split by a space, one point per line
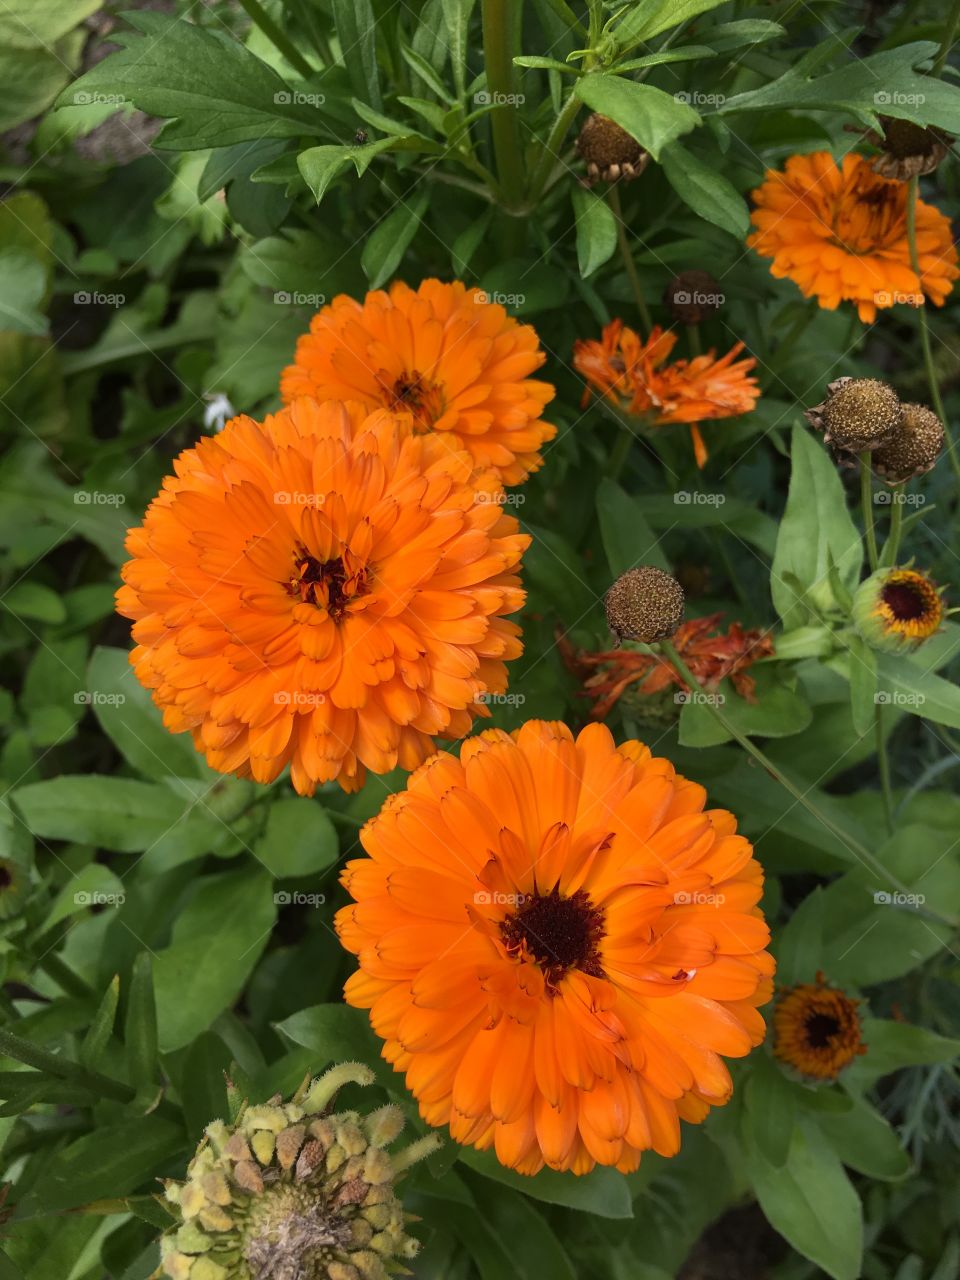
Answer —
710 658
632 373
325 590
457 362
817 1029
841 235
557 943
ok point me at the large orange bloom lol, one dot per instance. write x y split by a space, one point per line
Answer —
633 374
453 359
841 235
325 590
558 943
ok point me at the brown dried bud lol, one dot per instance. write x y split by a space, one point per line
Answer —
644 604
609 152
692 296
908 150
858 414
912 449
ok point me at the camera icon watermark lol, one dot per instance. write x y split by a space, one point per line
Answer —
698 898
694 498
494 898
486 99
893 298
97 898
510 301
94 298
297 98
896 698
896 497
298 698
698 698
94 698
894 98
283 298
694 98
283 898
84 99
503 499
295 498
501 699
897 898
97 498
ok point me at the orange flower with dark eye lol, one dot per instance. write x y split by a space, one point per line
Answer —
817 1029
559 944
634 375
840 234
326 590
443 353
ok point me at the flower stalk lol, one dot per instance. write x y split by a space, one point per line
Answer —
500 21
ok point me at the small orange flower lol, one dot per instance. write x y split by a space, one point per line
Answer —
633 374
325 590
558 944
454 360
710 659
817 1029
840 233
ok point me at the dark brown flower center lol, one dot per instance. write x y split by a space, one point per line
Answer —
416 394
904 601
6 877
821 1029
328 584
558 933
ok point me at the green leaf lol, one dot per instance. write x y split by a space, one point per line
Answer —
95 1042
210 87
468 242
596 230
688 510
906 684
769 1111
23 282
644 21
335 1033
32 78
866 1142
816 532
651 116
93 886
204 1093
299 839
706 190
27 24
133 722
812 1204
321 166
113 813
799 944
894 1045
356 25
863 684
627 538
34 601
140 1026
386 245
779 710
604 1192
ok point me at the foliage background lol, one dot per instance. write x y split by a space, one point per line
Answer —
163 925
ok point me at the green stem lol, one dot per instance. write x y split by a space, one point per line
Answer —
949 35
912 196
693 337
613 195
783 351
499 24
884 763
620 452
891 548
866 502
277 37
552 146
56 1065
854 846
64 977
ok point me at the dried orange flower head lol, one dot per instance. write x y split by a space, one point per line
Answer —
840 233
444 353
559 944
858 414
817 1029
608 151
326 590
644 604
912 449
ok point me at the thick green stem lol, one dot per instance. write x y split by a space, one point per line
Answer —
866 502
891 548
277 36
912 197
884 763
12 1046
613 195
551 148
499 23
859 851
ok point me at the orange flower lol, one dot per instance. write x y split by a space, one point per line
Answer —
457 362
841 235
710 658
632 374
558 943
817 1029
325 590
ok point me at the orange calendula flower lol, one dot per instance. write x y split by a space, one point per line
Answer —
559 944
446 354
817 1029
633 375
710 658
840 233
325 590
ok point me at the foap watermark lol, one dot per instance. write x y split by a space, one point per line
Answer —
494 898
694 98
298 698
94 298
896 698
296 498
698 298
695 498
95 698
297 98
294 898
503 499
502 699
97 898
508 300
487 99
698 698
895 497
84 99
892 298
896 98
98 498
897 898
282 298
698 898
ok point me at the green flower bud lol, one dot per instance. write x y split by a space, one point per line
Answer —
895 610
